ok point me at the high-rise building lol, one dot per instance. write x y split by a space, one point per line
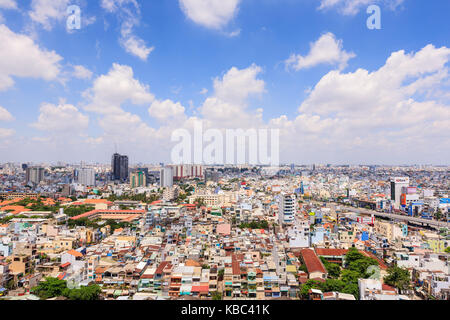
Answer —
34 175
186 171
286 208
166 179
85 176
396 189
119 167
138 179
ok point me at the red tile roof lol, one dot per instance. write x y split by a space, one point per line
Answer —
312 262
371 255
90 213
331 252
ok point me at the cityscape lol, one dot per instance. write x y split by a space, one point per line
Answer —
308 232
220 158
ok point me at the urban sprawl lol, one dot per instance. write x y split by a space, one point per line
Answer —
164 232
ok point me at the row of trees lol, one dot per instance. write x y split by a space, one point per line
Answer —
142 197
255 225
86 222
53 287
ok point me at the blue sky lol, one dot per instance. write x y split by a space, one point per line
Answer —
177 48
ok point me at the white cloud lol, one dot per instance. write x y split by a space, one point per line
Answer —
5 133
166 110
5 115
110 91
213 14
61 119
128 11
20 56
8 4
227 107
81 72
136 47
352 7
326 50
375 116
45 12
114 5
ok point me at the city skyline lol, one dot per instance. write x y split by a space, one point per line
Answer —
136 71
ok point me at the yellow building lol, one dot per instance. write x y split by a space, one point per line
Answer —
438 246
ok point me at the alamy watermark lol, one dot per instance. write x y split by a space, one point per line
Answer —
74 17
374 21
212 146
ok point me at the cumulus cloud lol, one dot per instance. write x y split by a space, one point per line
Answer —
5 115
363 114
227 106
61 119
118 86
352 7
213 14
166 110
379 116
326 50
21 57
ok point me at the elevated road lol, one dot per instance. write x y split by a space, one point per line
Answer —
398 217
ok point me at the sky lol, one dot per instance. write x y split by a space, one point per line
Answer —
138 70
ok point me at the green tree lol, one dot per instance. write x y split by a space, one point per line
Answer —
447 250
91 292
220 274
310 284
50 288
351 288
333 269
333 285
399 278
216 296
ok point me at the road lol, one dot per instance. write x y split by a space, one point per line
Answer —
432 223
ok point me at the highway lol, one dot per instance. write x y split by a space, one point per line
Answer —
419 221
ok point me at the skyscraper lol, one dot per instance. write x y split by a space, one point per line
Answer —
166 179
396 189
138 179
34 175
119 167
86 177
286 208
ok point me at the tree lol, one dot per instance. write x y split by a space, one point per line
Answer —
333 285
91 292
216 296
220 274
438 215
399 278
351 288
447 250
333 269
310 284
50 288
200 202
